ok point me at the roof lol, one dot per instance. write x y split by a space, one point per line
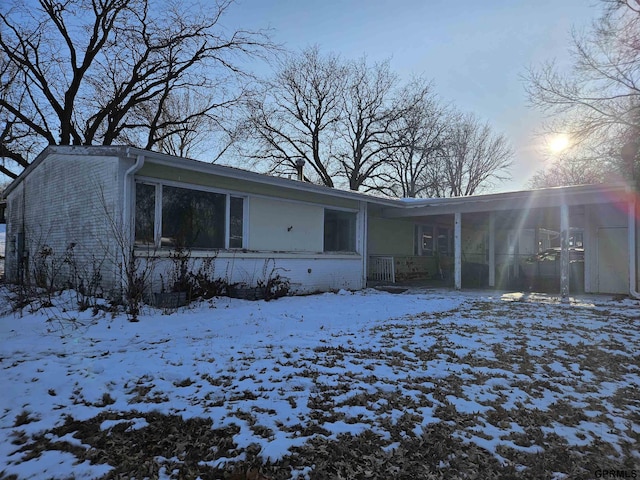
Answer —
247 175
199 166
406 207
524 199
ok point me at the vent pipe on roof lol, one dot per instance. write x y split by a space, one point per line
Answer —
299 166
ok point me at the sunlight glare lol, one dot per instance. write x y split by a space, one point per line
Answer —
558 143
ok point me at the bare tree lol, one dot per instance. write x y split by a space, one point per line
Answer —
474 159
568 170
297 115
370 111
598 102
81 72
13 131
593 163
419 139
355 125
337 116
186 126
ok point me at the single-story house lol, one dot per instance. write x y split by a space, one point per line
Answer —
96 204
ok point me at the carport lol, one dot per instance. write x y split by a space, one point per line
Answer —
494 235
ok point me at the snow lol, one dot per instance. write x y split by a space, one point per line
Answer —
377 355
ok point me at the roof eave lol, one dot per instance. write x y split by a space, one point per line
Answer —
548 197
239 174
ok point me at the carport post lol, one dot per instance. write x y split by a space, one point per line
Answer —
457 250
492 249
564 250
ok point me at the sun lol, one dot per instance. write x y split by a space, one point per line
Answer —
558 143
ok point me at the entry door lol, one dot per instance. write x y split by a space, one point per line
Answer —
613 260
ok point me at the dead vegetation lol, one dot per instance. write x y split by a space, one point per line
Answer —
432 399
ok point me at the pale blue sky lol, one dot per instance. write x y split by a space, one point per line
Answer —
474 51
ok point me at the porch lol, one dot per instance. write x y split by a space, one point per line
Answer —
413 270
568 240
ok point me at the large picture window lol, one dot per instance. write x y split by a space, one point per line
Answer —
193 219
188 218
339 231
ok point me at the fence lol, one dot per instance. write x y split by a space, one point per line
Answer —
381 269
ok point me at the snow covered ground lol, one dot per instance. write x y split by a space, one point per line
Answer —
524 380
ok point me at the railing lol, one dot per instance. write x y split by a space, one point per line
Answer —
381 269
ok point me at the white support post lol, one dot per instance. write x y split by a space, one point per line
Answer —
492 249
457 249
564 251
588 245
363 239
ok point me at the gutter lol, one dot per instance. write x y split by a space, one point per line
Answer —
246 175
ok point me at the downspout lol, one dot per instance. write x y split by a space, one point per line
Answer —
633 248
126 213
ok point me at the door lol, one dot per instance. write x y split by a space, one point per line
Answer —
613 260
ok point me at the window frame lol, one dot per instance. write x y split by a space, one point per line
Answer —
447 234
157 231
436 232
134 219
422 230
355 229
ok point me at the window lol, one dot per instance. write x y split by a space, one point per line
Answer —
427 241
188 218
339 231
193 219
444 242
145 213
434 240
236 226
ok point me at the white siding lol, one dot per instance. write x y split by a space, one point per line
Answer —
284 238
278 225
613 260
599 220
306 273
390 236
68 200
